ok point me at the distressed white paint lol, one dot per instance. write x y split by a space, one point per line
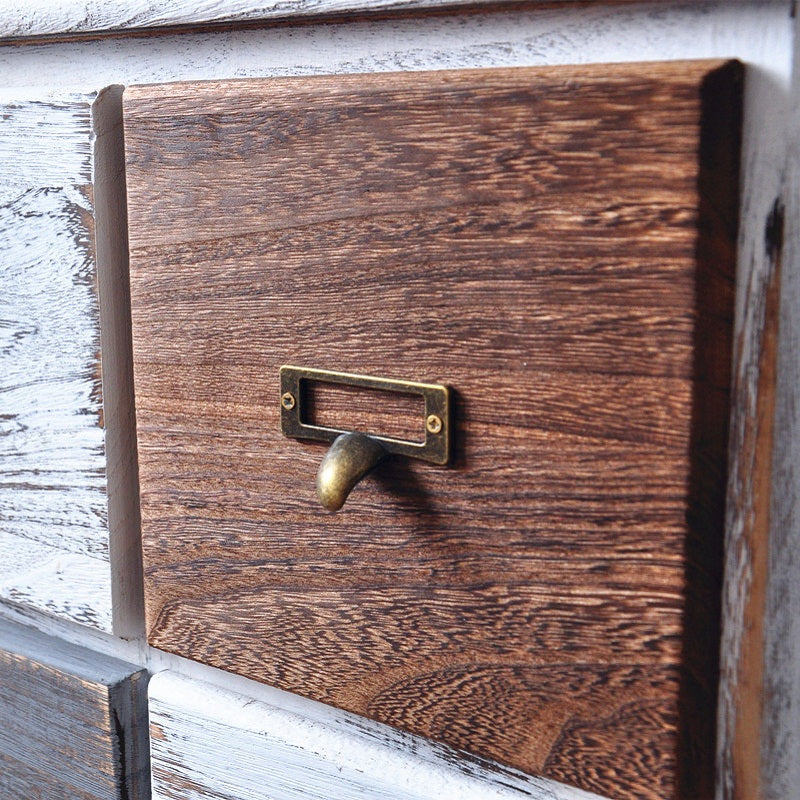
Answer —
758 34
56 504
764 161
780 748
73 717
26 18
208 743
53 537
259 737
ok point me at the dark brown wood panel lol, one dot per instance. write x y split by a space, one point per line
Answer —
73 723
557 245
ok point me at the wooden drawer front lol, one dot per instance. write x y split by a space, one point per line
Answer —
556 245
73 724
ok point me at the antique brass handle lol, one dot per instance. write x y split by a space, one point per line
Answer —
353 454
349 459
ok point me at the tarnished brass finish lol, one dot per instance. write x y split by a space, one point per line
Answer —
433 424
349 459
288 401
434 448
353 454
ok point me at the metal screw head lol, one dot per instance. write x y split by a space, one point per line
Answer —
433 424
288 401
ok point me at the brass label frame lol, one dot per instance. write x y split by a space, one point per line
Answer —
436 423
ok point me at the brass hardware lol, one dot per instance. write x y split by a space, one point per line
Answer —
349 459
433 424
353 454
288 401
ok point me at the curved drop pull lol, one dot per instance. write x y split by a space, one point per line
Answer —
350 458
353 454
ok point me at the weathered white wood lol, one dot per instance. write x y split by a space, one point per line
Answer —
72 723
53 537
57 430
758 33
209 743
780 734
759 721
28 18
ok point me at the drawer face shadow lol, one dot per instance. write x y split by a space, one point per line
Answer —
557 246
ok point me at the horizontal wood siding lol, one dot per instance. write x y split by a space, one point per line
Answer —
71 18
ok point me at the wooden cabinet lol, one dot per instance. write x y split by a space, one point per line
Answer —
557 246
69 532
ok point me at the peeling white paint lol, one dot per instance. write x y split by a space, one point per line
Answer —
53 532
587 34
780 746
26 18
69 585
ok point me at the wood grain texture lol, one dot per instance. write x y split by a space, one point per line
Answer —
24 19
753 31
556 245
214 744
73 723
53 533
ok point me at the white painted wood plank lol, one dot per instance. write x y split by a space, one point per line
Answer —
53 536
780 751
27 18
596 33
73 723
759 697
209 743
57 429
